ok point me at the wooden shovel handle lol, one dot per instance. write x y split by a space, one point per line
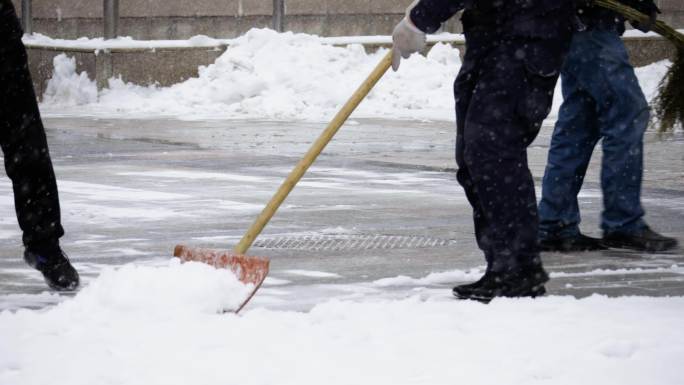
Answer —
311 155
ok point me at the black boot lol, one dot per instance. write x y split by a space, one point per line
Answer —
642 240
55 266
579 242
521 283
465 291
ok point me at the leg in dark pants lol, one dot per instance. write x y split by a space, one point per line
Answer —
500 106
27 159
464 86
502 96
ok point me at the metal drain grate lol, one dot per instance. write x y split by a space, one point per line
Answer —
353 242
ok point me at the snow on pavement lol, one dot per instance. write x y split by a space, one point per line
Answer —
283 76
161 325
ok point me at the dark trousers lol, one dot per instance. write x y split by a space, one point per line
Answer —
503 92
22 137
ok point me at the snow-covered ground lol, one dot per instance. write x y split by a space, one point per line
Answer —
161 325
267 75
159 322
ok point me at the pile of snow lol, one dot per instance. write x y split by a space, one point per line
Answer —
154 291
283 76
446 277
268 75
159 325
68 88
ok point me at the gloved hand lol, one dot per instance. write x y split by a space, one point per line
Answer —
406 40
647 7
652 11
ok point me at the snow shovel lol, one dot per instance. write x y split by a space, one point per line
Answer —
253 270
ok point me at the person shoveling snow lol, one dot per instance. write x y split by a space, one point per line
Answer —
503 92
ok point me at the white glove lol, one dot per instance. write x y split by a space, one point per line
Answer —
407 39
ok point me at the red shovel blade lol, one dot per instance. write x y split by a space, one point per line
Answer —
247 269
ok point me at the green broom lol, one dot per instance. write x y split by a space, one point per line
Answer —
669 103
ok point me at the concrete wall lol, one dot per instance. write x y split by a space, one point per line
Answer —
161 66
167 66
673 12
180 19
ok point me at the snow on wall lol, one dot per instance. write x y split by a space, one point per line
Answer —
66 87
267 75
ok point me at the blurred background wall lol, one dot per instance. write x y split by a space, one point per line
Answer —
181 19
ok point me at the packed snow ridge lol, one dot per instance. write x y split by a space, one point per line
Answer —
282 76
163 325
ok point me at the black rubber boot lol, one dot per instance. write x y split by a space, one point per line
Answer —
467 289
521 283
579 242
641 240
56 268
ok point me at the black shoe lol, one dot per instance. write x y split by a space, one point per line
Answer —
462 291
641 240
522 283
579 242
56 269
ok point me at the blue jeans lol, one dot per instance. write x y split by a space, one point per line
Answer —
602 100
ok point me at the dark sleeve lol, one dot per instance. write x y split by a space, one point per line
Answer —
10 27
428 15
643 6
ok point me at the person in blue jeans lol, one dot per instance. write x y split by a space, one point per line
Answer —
602 100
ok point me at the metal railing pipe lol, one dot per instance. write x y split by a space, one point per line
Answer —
27 16
279 15
111 19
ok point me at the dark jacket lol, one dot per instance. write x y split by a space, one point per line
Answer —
598 18
428 15
9 26
525 18
541 29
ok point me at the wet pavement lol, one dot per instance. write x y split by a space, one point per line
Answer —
382 201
